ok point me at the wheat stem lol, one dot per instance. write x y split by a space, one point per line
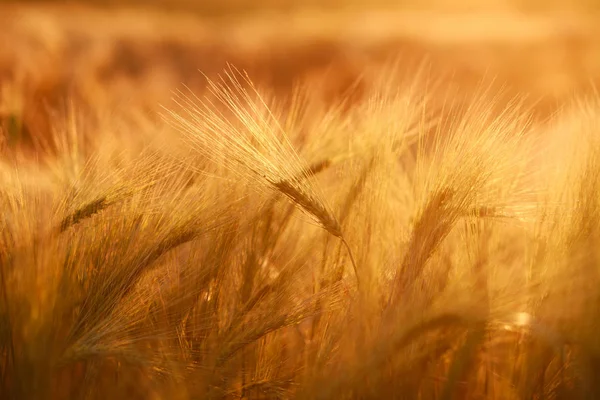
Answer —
352 260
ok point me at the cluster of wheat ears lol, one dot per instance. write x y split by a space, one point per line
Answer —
258 247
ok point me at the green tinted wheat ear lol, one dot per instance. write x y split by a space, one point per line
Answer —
235 129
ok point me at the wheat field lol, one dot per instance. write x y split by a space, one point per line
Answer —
298 203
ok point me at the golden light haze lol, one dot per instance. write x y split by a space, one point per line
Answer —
299 200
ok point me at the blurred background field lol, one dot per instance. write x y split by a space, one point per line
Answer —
241 6
549 54
134 52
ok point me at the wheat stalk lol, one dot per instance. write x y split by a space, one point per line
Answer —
252 145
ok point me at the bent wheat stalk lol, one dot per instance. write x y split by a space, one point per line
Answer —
240 133
327 220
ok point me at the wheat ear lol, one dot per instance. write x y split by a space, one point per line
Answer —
318 211
250 143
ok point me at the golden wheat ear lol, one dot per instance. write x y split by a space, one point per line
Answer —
84 212
237 130
326 219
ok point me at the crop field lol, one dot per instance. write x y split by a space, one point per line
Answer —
299 200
